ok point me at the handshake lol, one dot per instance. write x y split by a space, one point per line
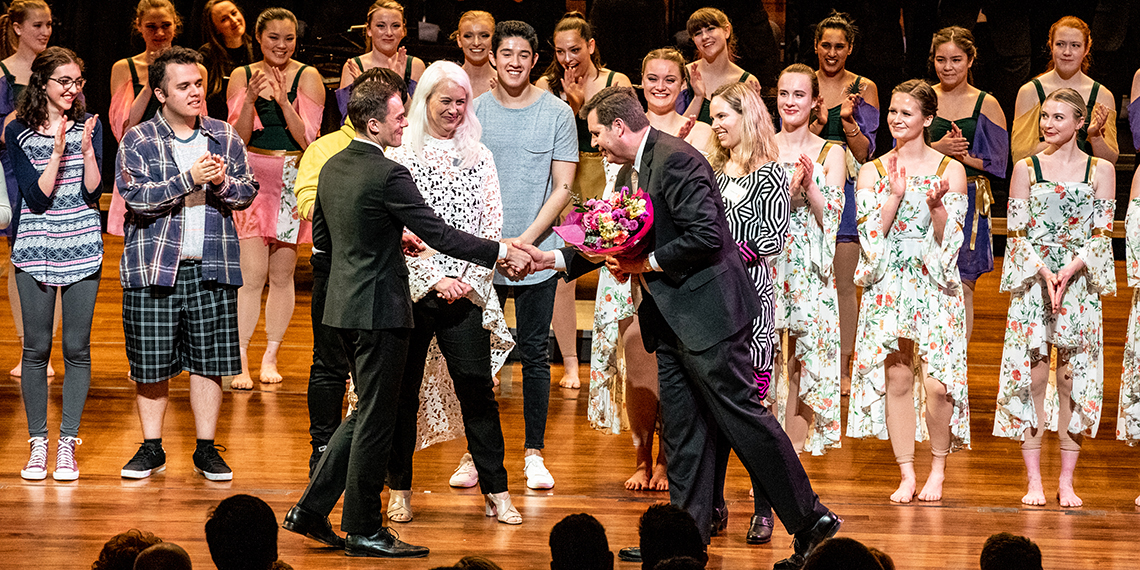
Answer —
523 259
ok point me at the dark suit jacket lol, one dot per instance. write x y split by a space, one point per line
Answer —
703 292
374 199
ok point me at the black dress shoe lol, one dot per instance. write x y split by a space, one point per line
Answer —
312 525
807 540
383 544
759 530
630 554
719 522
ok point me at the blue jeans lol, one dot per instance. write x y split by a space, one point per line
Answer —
534 307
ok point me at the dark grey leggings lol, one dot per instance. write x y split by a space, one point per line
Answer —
37 302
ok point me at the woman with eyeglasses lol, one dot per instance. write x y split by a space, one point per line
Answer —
26 30
56 150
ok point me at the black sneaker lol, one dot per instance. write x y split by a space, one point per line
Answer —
148 460
210 464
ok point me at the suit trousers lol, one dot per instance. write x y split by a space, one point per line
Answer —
356 459
466 345
702 392
329 372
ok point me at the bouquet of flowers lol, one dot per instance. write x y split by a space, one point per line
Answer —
610 226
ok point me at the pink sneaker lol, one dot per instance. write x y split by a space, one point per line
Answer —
66 467
36 469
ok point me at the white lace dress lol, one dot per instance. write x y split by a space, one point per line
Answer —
467 199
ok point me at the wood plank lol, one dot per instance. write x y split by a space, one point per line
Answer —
63 525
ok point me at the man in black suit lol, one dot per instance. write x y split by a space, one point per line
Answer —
696 313
369 304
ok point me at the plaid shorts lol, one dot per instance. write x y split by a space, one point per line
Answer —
191 326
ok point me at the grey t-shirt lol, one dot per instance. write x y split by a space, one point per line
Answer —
525 142
186 153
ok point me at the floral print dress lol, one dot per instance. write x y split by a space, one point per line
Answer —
806 307
1059 221
1128 417
911 289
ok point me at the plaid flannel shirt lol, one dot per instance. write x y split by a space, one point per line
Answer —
153 188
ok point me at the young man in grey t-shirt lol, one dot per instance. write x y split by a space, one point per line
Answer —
533 138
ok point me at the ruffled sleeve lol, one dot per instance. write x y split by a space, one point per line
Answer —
991 144
342 96
867 117
823 240
1134 121
120 109
873 260
1097 251
1021 265
941 259
1132 242
311 114
234 105
1110 132
1025 137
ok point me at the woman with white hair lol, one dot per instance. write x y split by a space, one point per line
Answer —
455 304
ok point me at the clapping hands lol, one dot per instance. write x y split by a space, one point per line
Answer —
953 143
208 168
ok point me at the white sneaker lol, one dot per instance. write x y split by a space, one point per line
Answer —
537 475
465 476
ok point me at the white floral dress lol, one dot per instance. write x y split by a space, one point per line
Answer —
1059 221
613 304
806 307
1128 417
467 199
911 289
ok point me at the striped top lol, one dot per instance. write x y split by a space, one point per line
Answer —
58 238
757 206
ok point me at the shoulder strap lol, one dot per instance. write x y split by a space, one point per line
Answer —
408 70
8 74
1034 170
826 148
610 78
135 73
1090 170
879 166
978 105
743 77
942 166
359 64
297 78
1040 90
1092 96
248 74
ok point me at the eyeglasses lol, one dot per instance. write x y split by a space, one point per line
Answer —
67 82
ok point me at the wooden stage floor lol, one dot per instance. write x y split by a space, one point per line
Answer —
63 525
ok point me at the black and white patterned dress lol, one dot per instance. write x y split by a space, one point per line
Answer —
757 206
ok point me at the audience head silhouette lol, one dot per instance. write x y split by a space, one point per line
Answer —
1005 551
163 556
578 542
842 554
242 534
120 551
666 531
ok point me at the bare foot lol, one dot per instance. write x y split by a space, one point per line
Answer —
269 373
495 380
905 492
932 490
241 382
570 375
639 481
752 492
1138 501
1034 495
660 480
18 371
844 385
1068 497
